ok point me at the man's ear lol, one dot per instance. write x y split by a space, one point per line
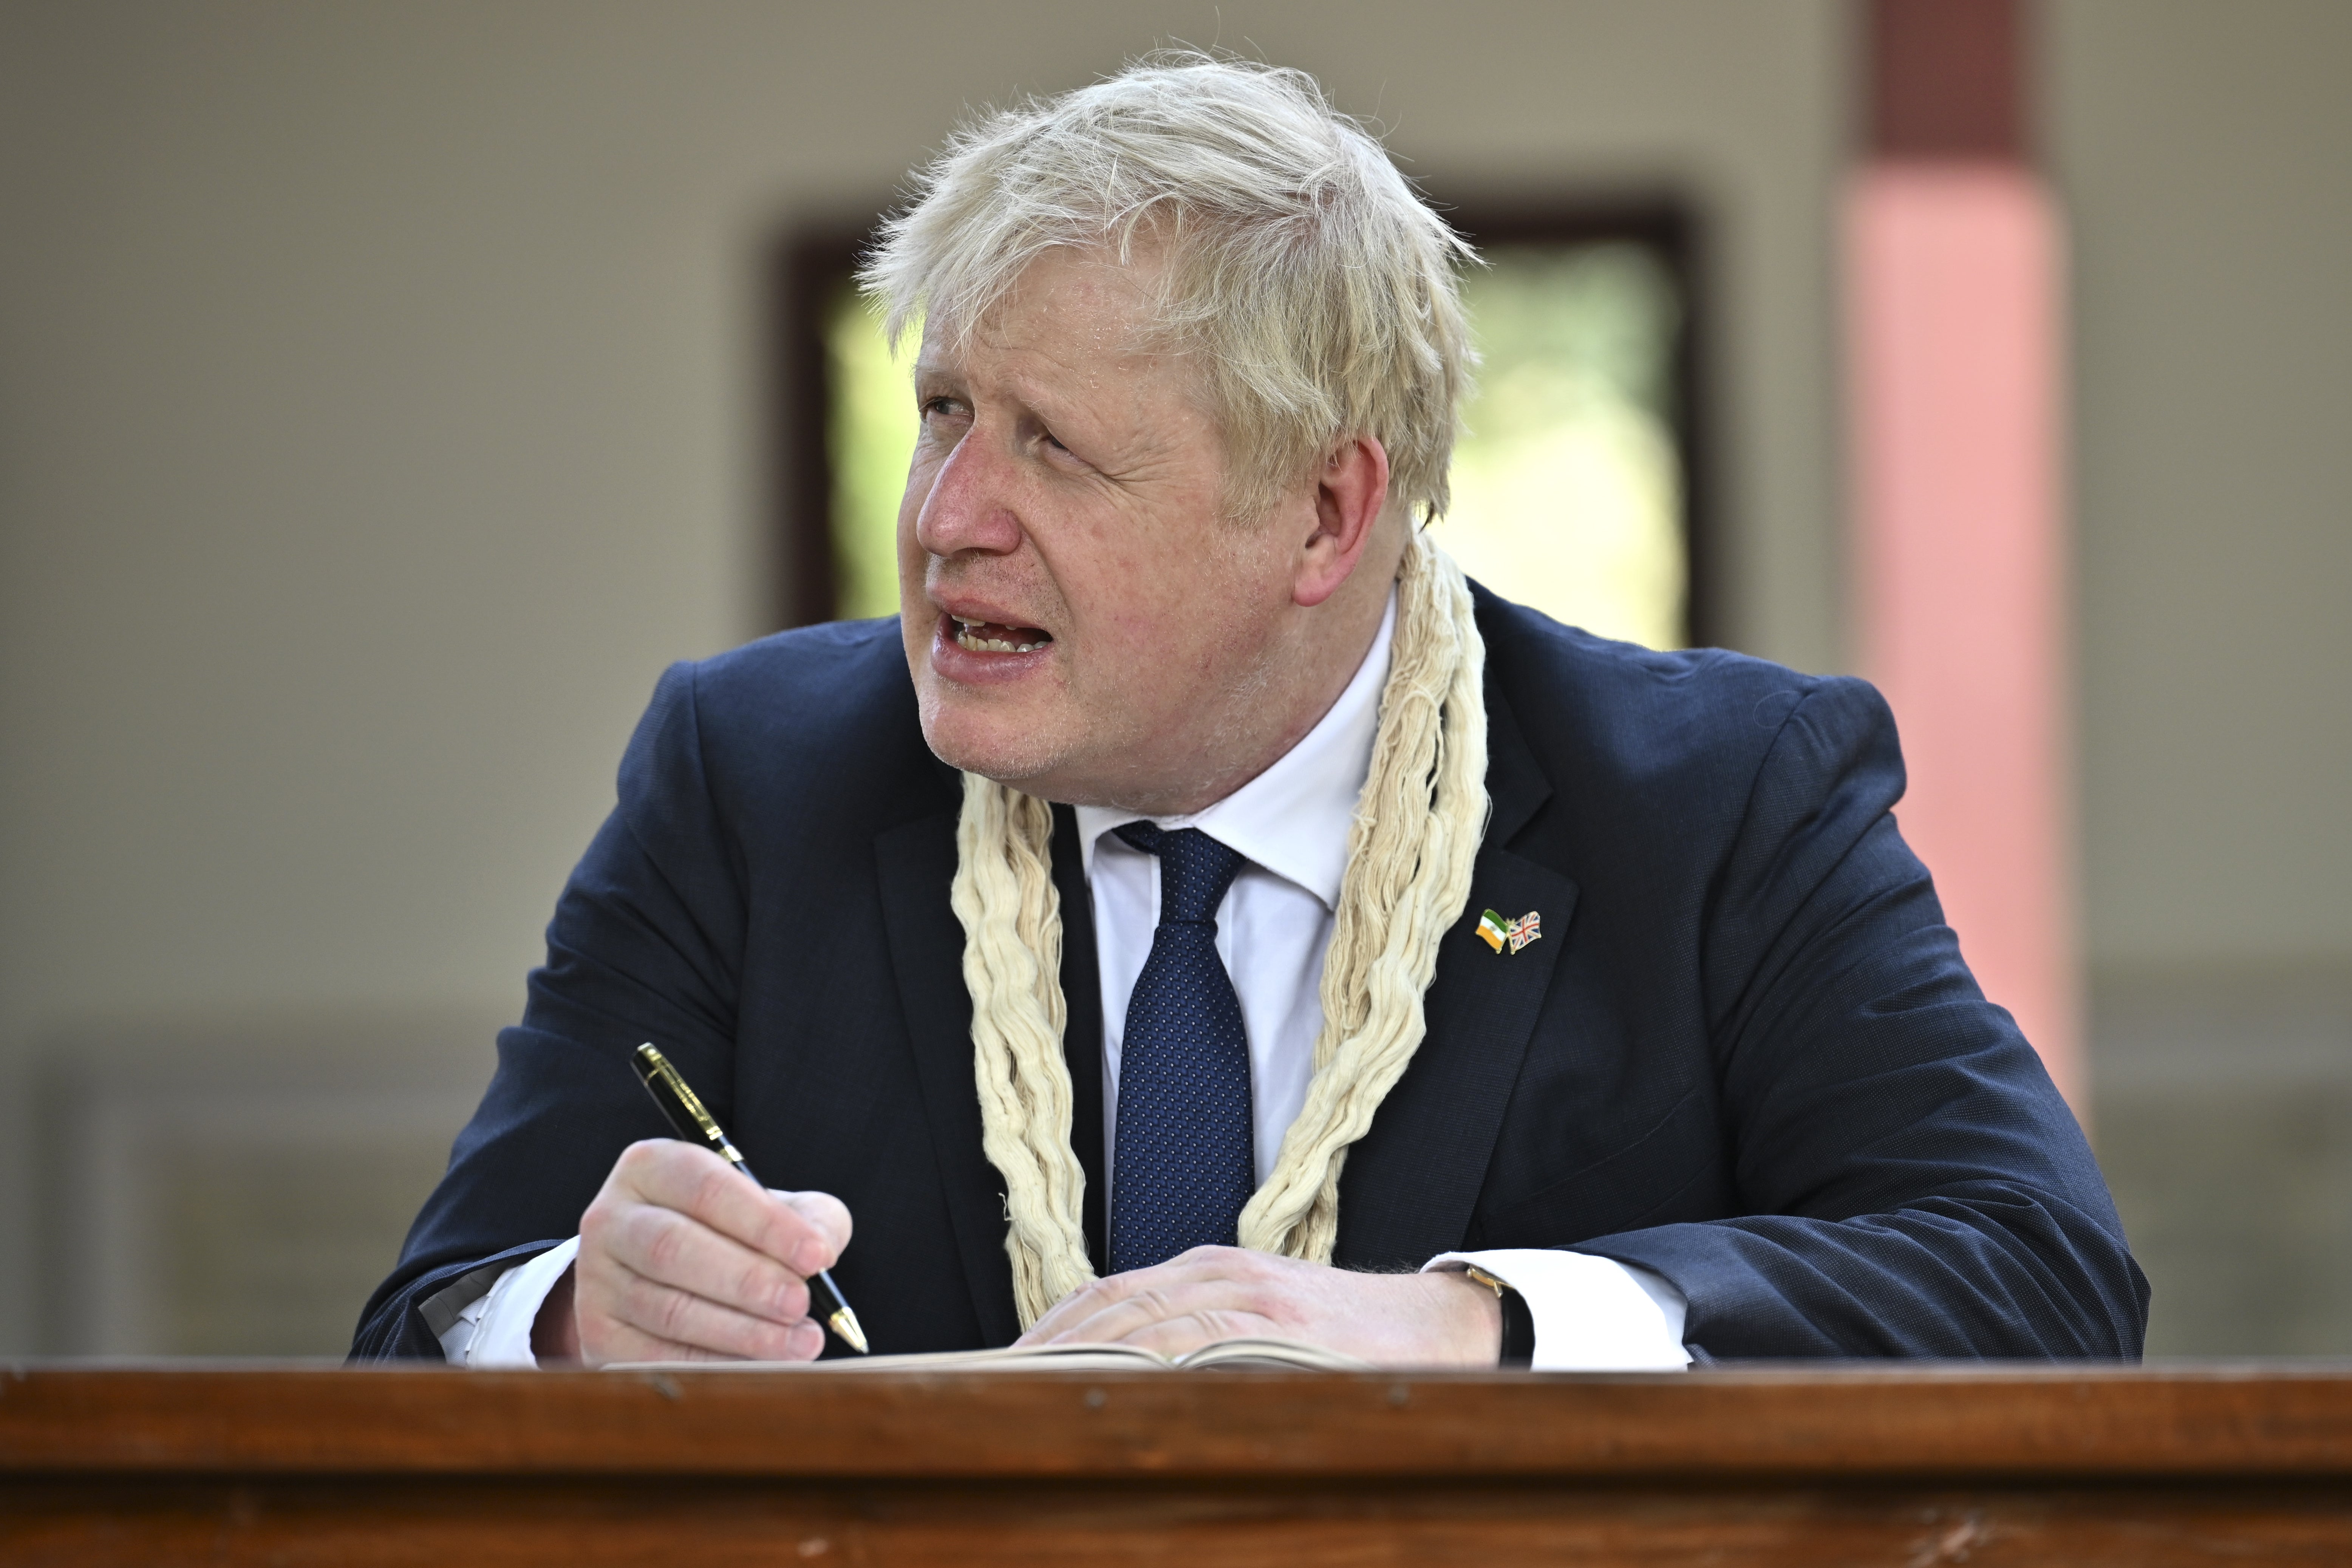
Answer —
1350 491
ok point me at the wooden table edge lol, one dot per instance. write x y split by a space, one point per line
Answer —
1854 1424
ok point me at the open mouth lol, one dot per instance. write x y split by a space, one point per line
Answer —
995 637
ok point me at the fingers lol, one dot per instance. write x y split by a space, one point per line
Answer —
669 1247
828 1217
1169 1321
713 1333
805 1231
681 1258
1208 1293
1220 1292
637 1319
1083 1303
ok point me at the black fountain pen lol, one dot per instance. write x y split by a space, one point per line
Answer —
683 1107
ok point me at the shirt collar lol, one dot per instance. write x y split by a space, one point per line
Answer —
1293 819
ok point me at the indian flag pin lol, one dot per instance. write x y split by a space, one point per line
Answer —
1494 930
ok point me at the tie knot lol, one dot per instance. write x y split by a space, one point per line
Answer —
1194 870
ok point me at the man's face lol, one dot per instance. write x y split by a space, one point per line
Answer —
1080 618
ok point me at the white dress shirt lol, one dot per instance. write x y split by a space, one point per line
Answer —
1291 825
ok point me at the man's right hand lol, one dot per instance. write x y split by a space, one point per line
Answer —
682 1259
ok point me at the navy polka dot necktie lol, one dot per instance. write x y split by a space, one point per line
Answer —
1185 1162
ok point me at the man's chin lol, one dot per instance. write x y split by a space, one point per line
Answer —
1009 753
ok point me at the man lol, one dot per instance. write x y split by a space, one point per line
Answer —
1202 914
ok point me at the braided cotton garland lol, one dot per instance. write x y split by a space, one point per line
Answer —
1416 831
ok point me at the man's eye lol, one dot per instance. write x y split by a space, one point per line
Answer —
940 407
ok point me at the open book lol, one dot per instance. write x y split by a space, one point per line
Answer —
1223 1355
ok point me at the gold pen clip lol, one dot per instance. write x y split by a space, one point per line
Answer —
657 1070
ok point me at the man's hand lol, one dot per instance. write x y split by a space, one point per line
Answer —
682 1259
1226 1292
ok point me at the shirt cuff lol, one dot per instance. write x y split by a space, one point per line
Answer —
495 1330
1592 1314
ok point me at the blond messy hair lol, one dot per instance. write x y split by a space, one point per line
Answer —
1316 288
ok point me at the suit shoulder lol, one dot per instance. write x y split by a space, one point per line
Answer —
808 713
813 683
833 665
1601 711
1552 666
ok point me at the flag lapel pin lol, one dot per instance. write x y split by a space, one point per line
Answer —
1497 932
1492 930
1524 929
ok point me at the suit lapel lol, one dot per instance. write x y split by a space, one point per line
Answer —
1409 1183
916 863
1082 1034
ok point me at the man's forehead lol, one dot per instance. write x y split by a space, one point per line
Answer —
1070 304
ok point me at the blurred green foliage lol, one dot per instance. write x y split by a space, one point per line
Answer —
1566 481
870 436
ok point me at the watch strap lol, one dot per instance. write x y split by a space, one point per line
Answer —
1518 1321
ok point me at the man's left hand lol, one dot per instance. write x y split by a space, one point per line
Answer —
1436 1319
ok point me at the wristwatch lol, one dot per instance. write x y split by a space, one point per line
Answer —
1518 1322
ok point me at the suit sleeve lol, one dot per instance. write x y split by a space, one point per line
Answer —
1913 1184
644 945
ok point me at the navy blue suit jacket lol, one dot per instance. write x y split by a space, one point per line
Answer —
1745 1053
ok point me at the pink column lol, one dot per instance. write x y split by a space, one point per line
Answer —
1960 562
1955 326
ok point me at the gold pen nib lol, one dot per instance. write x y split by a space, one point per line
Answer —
845 1323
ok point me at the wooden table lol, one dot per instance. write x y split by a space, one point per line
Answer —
1911 1467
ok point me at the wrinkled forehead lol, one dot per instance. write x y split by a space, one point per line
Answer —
1120 291
1080 315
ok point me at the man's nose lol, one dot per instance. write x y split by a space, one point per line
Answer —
971 504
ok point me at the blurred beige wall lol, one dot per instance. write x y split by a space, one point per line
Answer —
379 400
2205 153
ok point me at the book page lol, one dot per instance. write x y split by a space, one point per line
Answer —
1011 1358
1223 1355
1269 1354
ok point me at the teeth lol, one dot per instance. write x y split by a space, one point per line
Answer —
971 642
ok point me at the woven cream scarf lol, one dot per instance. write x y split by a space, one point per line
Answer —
1417 828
